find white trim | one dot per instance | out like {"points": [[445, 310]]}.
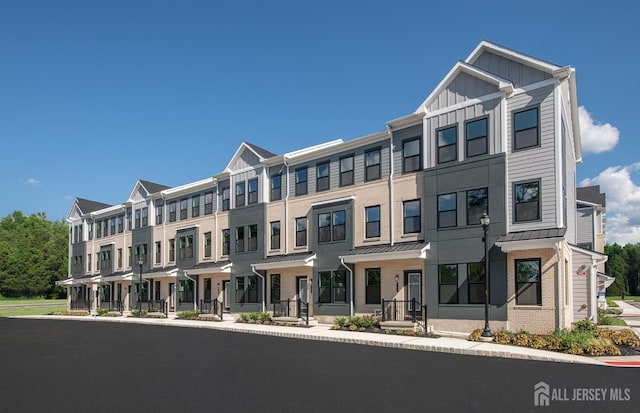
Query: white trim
{"points": [[332, 201], [559, 154], [464, 104], [534, 86], [187, 227], [190, 187], [387, 256], [510, 54], [510, 246], [303, 262], [504, 136]]}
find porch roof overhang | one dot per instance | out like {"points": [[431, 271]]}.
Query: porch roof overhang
{"points": [[211, 268], [530, 240], [304, 259], [69, 281], [118, 277], [402, 251], [605, 280]]}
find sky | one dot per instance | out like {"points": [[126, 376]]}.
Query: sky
{"points": [[95, 95]]}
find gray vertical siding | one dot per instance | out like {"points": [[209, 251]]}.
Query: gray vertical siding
{"points": [[518, 73], [463, 87], [399, 136]]}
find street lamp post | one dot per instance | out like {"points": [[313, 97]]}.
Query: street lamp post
{"points": [[140, 263], [485, 220]]}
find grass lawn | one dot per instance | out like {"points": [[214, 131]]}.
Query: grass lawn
{"points": [[12, 312], [28, 301], [10, 307], [626, 297]]}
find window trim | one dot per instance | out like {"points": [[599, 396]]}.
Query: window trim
{"points": [[299, 184], [321, 179], [240, 199], [440, 284], [195, 206], [367, 222], [513, 120], [455, 224], [419, 155], [367, 178], [274, 238], [485, 137], [252, 194], [298, 232], [277, 189], [455, 144], [514, 203], [347, 172], [538, 283], [405, 217]]}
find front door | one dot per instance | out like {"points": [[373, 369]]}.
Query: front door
{"points": [[172, 296], [303, 297], [413, 291], [226, 290]]}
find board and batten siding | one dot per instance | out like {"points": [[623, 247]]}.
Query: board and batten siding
{"points": [[585, 226], [518, 73], [538, 163], [489, 109], [462, 88]]}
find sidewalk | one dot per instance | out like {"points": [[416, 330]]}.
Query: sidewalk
{"points": [[631, 315]]}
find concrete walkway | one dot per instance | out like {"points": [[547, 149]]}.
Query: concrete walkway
{"points": [[631, 315]]}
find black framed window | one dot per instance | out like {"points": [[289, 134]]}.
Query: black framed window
{"points": [[129, 226], [528, 282], [411, 216], [240, 293], [526, 199], [145, 217], [120, 224], [372, 293], [275, 287], [172, 249], [301, 181], [185, 291], [322, 177], [226, 198], [252, 289], [332, 286], [239, 239], [526, 133], [275, 235], [240, 194], [476, 133], [90, 230], [226, 241], [448, 283], [112, 221], [159, 208], [98, 229], [138, 218], [301, 232], [447, 144], [208, 203], [372, 164], [346, 171], [324, 286], [253, 237], [324, 227], [88, 262], [184, 204], [119, 257], [129, 256], [477, 205], [172, 211], [476, 278], [372, 221], [158, 252], [276, 188], [411, 155], [332, 226], [185, 247], [447, 210], [339, 226], [195, 206], [339, 286], [253, 191], [207, 244], [207, 288], [105, 230]]}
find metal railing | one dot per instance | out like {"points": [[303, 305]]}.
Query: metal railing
{"points": [[303, 310], [116, 306], [281, 308], [77, 305], [211, 307], [156, 306], [404, 310]]}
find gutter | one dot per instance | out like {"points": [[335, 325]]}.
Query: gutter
{"points": [[264, 286], [351, 307]]}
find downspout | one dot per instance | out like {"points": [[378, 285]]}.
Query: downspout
{"points": [[559, 305], [264, 286], [164, 229], [286, 211], [391, 200], [215, 223], [195, 289], [351, 287]]}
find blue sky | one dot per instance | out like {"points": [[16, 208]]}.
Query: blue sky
{"points": [[95, 95]]}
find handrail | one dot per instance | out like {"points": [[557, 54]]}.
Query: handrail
{"points": [[278, 307]]}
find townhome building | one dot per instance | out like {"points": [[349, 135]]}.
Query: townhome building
{"points": [[387, 224]]}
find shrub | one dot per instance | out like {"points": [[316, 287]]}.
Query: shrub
{"points": [[503, 337], [522, 339], [538, 342], [475, 334], [620, 337], [585, 326], [340, 322], [103, 312], [554, 343], [353, 327], [188, 315], [136, 313], [575, 348], [254, 318]]}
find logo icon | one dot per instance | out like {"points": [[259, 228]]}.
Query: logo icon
{"points": [[541, 394]]}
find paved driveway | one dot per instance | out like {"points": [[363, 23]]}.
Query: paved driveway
{"points": [[66, 366]]}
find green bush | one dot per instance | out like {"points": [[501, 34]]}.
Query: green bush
{"points": [[136, 313], [585, 326], [522, 339], [254, 318], [620, 337], [475, 334], [503, 337], [604, 320], [365, 322], [188, 315], [103, 312]]}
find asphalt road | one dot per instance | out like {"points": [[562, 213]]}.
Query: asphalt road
{"points": [[72, 366]]}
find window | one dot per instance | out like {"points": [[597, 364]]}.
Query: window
{"points": [[411, 214], [112, 221], [411, 155], [324, 227], [527, 202], [141, 253], [372, 293], [372, 221], [158, 213], [447, 144], [253, 191], [250, 295], [301, 232], [253, 237], [105, 232], [172, 250], [172, 211], [158, 252], [239, 194], [275, 235], [476, 137], [332, 286], [185, 291], [98, 229], [276, 188], [226, 241], [184, 204], [301, 181], [119, 257], [476, 276], [138, 219], [448, 283], [322, 176], [477, 205], [252, 290], [226, 196], [120, 224], [240, 239], [528, 282], [207, 245], [525, 129], [207, 288], [447, 210], [331, 226], [89, 263], [145, 217], [129, 256], [129, 226], [346, 171], [275, 287], [239, 289], [585, 245], [156, 291], [339, 230], [195, 206], [372, 165], [185, 247], [208, 203]]}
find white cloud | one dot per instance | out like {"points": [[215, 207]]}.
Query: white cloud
{"points": [[596, 137], [33, 182], [623, 202]]}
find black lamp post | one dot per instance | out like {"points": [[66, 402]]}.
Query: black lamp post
{"points": [[140, 263], [485, 220]]}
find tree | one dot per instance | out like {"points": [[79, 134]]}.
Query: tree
{"points": [[616, 266]]}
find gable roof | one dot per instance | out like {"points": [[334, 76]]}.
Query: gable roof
{"points": [[151, 187], [262, 154], [87, 206], [592, 195], [510, 54]]}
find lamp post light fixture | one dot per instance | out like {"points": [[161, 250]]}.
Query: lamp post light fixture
{"points": [[485, 220], [140, 263]]}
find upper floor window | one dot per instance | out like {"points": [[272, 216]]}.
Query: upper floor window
{"points": [[477, 205], [275, 235], [322, 182], [226, 241], [526, 201], [129, 226], [411, 155], [208, 203], [346, 171], [195, 206], [447, 210], [526, 133], [207, 244], [476, 137], [372, 164], [253, 191], [447, 144], [158, 252], [145, 216], [331, 226], [119, 257], [253, 237], [276, 187], [90, 227], [138, 220], [301, 181], [184, 204], [172, 250], [185, 247], [372, 221], [239, 194], [239, 239], [301, 232], [476, 275], [120, 224], [172, 211], [412, 216], [226, 197], [158, 213], [528, 288], [112, 221]]}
